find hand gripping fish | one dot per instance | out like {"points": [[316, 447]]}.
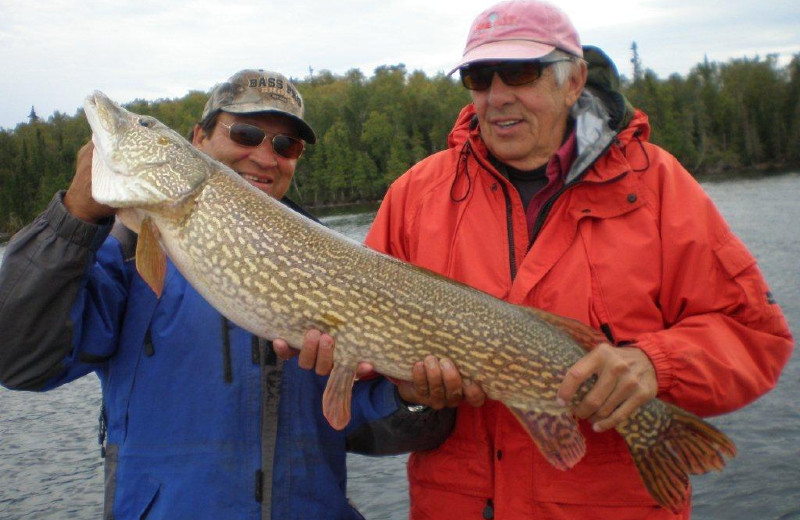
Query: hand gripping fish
{"points": [[278, 274]]}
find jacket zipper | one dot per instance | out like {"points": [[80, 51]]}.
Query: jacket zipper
{"points": [[540, 218], [512, 257], [548, 205], [510, 230]]}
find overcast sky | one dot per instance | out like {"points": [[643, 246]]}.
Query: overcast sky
{"points": [[53, 53]]}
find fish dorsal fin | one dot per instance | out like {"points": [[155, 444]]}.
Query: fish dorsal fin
{"points": [[557, 436], [151, 262], [584, 335]]}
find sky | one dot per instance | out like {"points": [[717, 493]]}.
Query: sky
{"points": [[53, 53]]}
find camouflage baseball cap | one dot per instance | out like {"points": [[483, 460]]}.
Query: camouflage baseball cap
{"points": [[250, 91]]}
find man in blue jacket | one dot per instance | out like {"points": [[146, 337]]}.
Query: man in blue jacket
{"points": [[201, 418]]}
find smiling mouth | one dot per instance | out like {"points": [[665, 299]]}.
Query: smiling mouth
{"points": [[253, 178]]}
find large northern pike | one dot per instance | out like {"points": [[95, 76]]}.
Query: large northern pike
{"points": [[278, 274]]}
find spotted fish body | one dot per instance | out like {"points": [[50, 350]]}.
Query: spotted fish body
{"points": [[278, 274]]}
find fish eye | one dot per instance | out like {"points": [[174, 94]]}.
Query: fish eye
{"points": [[147, 123]]}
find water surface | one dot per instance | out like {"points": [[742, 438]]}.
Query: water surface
{"points": [[50, 466]]}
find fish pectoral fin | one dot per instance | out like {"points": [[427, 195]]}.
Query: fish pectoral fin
{"points": [[338, 394], [151, 262], [584, 335], [556, 436]]}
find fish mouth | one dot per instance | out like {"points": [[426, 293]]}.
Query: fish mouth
{"points": [[103, 114], [107, 121]]}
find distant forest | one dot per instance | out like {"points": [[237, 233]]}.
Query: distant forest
{"points": [[743, 114]]}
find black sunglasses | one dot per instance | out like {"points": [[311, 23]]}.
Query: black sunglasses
{"points": [[478, 76], [249, 135]]}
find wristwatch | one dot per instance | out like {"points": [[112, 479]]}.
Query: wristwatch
{"points": [[411, 407]]}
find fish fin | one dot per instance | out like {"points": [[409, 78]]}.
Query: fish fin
{"points": [[584, 335], [103, 185], [556, 436], [685, 445], [337, 396], [151, 262]]}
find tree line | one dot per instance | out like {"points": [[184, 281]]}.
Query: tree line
{"points": [[741, 114]]}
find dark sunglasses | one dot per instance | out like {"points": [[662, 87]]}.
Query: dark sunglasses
{"points": [[479, 76], [249, 135]]}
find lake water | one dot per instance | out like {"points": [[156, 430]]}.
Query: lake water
{"points": [[50, 466]]}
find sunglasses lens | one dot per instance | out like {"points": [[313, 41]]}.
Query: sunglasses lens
{"points": [[287, 147], [246, 135], [520, 73], [249, 135], [476, 78], [514, 74]]}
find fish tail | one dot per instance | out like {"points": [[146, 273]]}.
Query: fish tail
{"points": [[668, 444]]}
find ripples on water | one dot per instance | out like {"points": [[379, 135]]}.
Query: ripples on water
{"points": [[50, 466]]}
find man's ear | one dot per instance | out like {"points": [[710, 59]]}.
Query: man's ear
{"points": [[576, 82], [199, 136]]}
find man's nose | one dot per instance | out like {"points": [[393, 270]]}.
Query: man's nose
{"points": [[499, 93], [264, 154]]}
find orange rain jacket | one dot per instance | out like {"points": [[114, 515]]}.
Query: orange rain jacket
{"points": [[632, 246]]}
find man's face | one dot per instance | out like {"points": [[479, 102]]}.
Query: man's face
{"points": [[524, 125], [260, 165]]}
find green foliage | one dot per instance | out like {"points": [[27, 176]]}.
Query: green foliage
{"points": [[741, 114]]}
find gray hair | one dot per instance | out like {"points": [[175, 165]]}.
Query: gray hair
{"points": [[563, 69]]}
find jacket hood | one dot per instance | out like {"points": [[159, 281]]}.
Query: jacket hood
{"points": [[462, 127]]}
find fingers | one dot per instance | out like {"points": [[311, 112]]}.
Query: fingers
{"points": [[317, 352], [603, 422], [420, 382], [283, 350], [436, 389], [453, 384], [78, 199], [84, 161], [576, 376], [625, 380], [364, 369], [324, 363], [438, 384], [308, 354], [473, 393]]}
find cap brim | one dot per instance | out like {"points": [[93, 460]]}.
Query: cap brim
{"points": [[505, 50], [303, 129]]}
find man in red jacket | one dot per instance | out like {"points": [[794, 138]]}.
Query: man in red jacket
{"points": [[550, 195]]}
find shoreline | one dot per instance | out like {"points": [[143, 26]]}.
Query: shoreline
{"points": [[721, 175]]}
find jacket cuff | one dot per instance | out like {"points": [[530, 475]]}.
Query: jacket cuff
{"points": [[73, 229], [665, 371]]}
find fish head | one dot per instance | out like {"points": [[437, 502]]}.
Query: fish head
{"points": [[138, 161]]}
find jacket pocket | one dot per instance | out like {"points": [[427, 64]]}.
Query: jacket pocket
{"points": [[754, 305]]}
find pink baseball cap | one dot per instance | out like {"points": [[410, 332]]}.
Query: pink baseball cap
{"points": [[519, 30]]}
